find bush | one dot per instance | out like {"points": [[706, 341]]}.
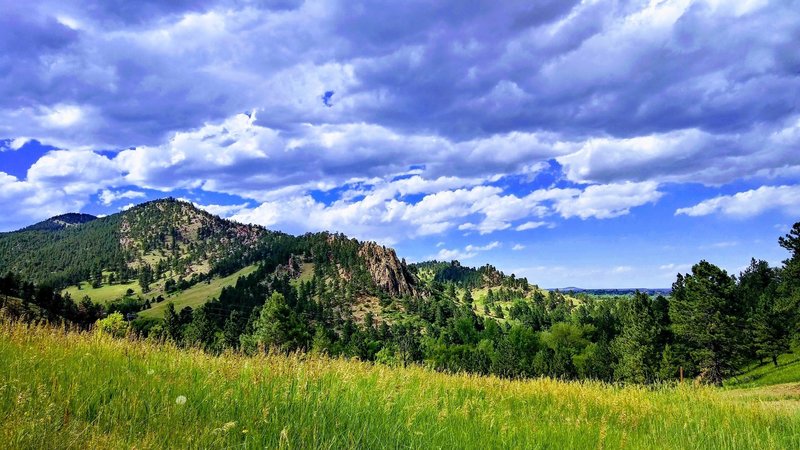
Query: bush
{"points": [[114, 325]]}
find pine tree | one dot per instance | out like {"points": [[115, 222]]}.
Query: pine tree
{"points": [[172, 323], [707, 321], [467, 298], [498, 311], [635, 347]]}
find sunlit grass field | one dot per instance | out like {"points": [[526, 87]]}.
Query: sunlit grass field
{"points": [[71, 390], [107, 292], [767, 374], [198, 294]]}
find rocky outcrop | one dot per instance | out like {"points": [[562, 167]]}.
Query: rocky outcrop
{"points": [[389, 273]]}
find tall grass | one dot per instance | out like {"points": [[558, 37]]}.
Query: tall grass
{"points": [[71, 390]]}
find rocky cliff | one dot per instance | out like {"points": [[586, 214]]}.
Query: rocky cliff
{"points": [[388, 272]]}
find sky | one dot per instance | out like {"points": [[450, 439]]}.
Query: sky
{"points": [[577, 143]]}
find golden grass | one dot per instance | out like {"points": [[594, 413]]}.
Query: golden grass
{"points": [[82, 390]]}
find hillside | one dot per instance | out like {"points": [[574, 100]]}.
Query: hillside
{"points": [[159, 236], [83, 391], [61, 222], [170, 250], [767, 374], [182, 275]]}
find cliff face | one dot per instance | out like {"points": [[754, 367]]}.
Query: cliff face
{"points": [[388, 272]]}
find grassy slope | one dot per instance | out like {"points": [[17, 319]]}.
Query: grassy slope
{"points": [[306, 273], [788, 371], [106, 292], [88, 391], [197, 294]]}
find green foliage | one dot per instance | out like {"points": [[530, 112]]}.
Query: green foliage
{"points": [[637, 347], [113, 325], [245, 288], [278, 327], [707, 319]]}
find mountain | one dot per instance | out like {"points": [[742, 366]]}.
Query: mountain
{"points": [[170, 234], [616, 291], [61, 222], [485, 276], [170, 244]]}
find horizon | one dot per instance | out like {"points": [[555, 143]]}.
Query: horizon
{"points": [[592, 144]]}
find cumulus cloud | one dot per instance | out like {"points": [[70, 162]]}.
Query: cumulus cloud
{"points": [[607, 201], [749, 203], [108, 197], [689, 155], [441, 118], [470, 251]]}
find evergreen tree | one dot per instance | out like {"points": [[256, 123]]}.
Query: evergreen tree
{"points": [[172, 323], [467, 298], [635, 347], [707, 321], [232, 329], [279, 327]]}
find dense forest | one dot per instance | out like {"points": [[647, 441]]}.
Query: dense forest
{"points": [[327, 294], [711, 326]]}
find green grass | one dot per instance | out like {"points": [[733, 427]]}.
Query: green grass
{"points": [[306, 274], [788, 371], [198, 294], [103, 294], [70, 390]]}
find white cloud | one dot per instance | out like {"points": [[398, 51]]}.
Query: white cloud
{"points": [[62, 116], [749, 203], [223, 210], [449, 255], [518, 247], [482, 248], [108, 197], [608, 201], [688, 155], [531, 225], [13, 144], [470, 251], [722, 244], [673, 267]]}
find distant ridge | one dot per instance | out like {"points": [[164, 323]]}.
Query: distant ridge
{"points": [[614, 291], [61, 222]]}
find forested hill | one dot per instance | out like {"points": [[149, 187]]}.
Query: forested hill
{"points": [[171, 240], [159, 235], [326, 293], [61, 222], [466, 277]]}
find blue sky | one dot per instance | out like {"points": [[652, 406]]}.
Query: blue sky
{"points": [[585, 143]]}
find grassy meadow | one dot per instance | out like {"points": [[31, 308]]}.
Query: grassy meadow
{"points": [[198, 294], [766, 374], [81, 390], [107, 292], [194, 296]]}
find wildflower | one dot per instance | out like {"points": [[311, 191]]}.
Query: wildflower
{"points": [[181, 400], [151, 371]]}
